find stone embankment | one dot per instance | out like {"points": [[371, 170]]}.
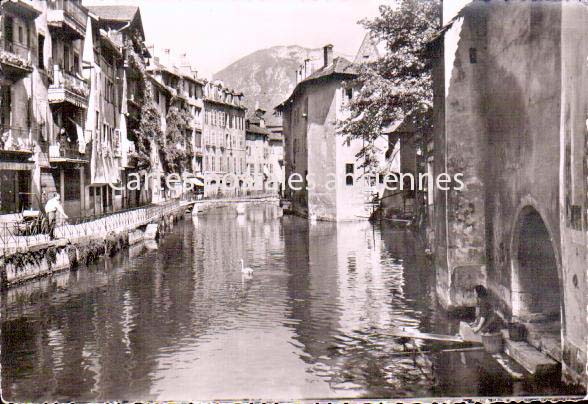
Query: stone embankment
{"points": [[29, 257], [80, 242]]}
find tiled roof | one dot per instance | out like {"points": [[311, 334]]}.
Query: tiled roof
{"points": [[257, 130], [339, 66], [276, 136], [115, 13]]}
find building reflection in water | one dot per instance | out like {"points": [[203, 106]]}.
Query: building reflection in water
{"points": [[180, 322]]}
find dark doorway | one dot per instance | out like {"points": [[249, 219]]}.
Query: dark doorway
{"points": [[537, 269]]}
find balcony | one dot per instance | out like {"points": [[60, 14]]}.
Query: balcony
{"points": [[67, 88], [15, 141], [25, 8], [15, 59], [68, 16], [66, 153]]}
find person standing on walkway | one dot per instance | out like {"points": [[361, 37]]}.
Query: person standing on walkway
{"points": [[52, 207]]}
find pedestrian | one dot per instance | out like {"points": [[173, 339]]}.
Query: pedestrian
{"points": [[486, 320], [52, 207]]}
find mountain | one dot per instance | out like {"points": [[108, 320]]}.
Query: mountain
{"points": [[267, 76]]}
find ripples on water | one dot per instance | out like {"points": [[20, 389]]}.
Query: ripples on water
{"points": [[178, 321]]}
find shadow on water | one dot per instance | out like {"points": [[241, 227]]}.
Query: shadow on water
{"points": [[180, 322]]}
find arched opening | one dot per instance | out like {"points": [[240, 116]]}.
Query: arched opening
{"points": [[536, 285]]}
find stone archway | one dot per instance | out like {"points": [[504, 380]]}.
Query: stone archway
{"points": [[536, 282]]}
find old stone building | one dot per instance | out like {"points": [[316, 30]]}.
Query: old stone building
{"points": [[223, 140], [511, 108], [22, 72], [122, 26], [320, 164], [257, 153]]}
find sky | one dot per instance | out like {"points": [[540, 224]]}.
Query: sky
{"points": [[215, 33]]}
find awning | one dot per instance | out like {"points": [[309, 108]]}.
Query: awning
{"points": [[195, 181]]}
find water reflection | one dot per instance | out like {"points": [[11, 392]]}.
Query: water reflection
{"points": [[180, 322]]}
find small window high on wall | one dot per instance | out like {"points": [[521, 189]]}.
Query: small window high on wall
{"points": [[349, 171]]}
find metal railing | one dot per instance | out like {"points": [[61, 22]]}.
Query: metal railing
{"points": [[25, 234]]}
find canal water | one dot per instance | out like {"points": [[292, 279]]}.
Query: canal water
{"points": [[177, 320]]}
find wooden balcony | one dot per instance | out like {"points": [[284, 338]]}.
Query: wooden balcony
{"points": [[15, 59], [15, 141], [67, 88], [24, 8], [66, 153], [68, 17]]}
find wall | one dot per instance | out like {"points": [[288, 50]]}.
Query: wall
{"points": [[295, 133], [460, 144], [573, 185], [321, 148], [511, 114]]}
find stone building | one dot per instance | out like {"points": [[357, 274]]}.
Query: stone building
{"points": [[178, 90], [276, 160], [23, 79], [122, 25], [103, 65], [331, 186], [223, 140], [69, 154], [511, 106], [257, 153]]}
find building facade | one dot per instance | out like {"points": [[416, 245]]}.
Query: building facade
{"points": [[257, 151], [510, 114], [323, 177], [23, 80], [223, 140]]}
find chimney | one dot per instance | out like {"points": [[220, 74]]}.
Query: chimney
{"points": [[306, 68], [184, 64], [165, 60], [328, 54]]}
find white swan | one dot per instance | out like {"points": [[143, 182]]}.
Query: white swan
{"points": [[245, 270]]}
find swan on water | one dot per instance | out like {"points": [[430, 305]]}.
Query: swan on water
{"points": [[245, 270]]}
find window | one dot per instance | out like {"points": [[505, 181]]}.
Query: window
{"points": [[76, 63], [41, 52], [349, 94], [9, 32], [5, 106], [349, 170], [473, 55], [66, 61], [21, 38]]}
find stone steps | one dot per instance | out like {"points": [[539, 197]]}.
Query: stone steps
{"points": [[534, 361]]}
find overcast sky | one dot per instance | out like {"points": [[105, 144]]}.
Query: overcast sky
{"points": [[215, 33]]}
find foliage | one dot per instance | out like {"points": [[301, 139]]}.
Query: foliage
{"points": [[176, 147], [150, 118], [398, 86]]}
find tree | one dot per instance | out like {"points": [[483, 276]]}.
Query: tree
{"points": [[398, 86]]}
